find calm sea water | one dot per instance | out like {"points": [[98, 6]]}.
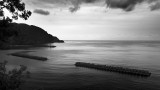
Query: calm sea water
{"points": [[59, 72]]}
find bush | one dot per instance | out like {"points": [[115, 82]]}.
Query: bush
{"points": [[11, 80]]}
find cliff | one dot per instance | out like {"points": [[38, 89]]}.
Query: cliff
{"points": [[30, 35]]}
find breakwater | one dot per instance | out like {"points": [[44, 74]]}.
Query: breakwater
{"points": [[24, 55], [143, 73]]}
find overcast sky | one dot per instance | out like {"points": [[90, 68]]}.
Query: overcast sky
{"points": [[97, 19]]}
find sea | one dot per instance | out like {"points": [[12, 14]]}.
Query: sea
{"points": [[60, 73]]}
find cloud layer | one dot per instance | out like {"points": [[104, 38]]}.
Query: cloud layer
{"points": [[155, 6], [129, 5], [41, 11], [74, 5], [126, 5]]}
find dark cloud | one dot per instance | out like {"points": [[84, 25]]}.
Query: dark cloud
{"points": [[155, 6], [129, 5], [126, 5], [89, 1], [42, 12], [74, 9], [75, 5]]}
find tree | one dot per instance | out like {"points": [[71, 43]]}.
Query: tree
{"points": [[11, 80], [16, 8]]}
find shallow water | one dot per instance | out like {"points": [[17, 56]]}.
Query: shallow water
{"points": [[59, 72]]}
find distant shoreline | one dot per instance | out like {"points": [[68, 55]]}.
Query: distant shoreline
{"points": [[11, 47], [120, 40]]}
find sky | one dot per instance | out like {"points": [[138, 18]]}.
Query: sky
{"points": [[96, 19]]}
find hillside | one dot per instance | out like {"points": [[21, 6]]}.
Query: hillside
{"points": [[30, 35]]}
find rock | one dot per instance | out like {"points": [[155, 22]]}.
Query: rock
{"points": [[118, 69]]}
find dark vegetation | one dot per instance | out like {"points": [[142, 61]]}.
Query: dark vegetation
{"points": [[23, 34], [12, 80], [20, 34], [17, 10], [29, 35]]}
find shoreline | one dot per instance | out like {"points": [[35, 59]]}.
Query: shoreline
{"points": [[12, 47]]}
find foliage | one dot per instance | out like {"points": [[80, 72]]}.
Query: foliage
{"points": [[11, 80], [6, 33], [16, 8]]}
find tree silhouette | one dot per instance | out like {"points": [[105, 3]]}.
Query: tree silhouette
{"points": [[12, 79], [15, 7], [17, 10]]}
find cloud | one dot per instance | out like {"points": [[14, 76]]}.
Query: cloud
{"points": [[129, 5], [42, 12], [74, 9], [155, 6], [126, 5], [75, 5]]}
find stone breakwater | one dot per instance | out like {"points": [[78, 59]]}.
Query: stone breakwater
{"points": [[25, 55], [137, 72]]}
